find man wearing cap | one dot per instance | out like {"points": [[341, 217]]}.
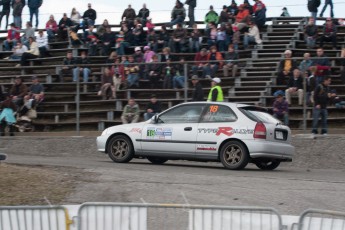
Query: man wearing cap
{"points": [[329, 33], [153, 107], [281, 107], [198, 93], [216, 92]]}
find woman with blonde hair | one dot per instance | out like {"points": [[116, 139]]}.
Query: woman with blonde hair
{"points": [[75, 17]]}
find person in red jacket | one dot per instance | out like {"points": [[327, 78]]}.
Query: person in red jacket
{"points": [[201, 63], [51, 27], [242, 17], [13, 35]]}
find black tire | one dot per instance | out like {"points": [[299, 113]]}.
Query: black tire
{"points": [[267, 164], [157, 160], [120, 149], [234, 155]]}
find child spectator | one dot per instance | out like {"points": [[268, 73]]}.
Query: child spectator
{"points": [[154, 71], [221, 38], [7, 118], [231, 58], [149, 25], [132, 71], [92, 39], [281, 107]]}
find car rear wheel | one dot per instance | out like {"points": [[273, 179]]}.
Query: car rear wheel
{"points": [[120, 149], [234, 155], [157, 160], [267, 164]]}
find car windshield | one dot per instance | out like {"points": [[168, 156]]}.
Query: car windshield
{"points": [[258, 114]]}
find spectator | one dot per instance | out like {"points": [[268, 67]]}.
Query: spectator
{"points": [[18, 51], [42, 43], [285, 12], [281, 107], [321, 100], [154, 70], [101, 28], [6, 8], [51, 28], [34, 5], [179, 37], [28, 32], [148, 54], [36, 90], [329, 33], [153, 107], [235, 37], [253, 36], [233, 10], [201, 63], [18, 91], [84, 62], [198, 93], [295, 86], [75, 18], [285, 68], [312, 7], [248, 7], [216, 92], [138, 34], [231, 58], [178, 14], [163, 38], [149, 25], [91, 41], [242, 17], [211, 34], [336, 100], [166, 55], [17, 12], [323, 65], [310, 33], [224, 16], [215, 60], [132, 71], [305, 64], [89, 17], [178, 75], [118, 74], [13, 36], [168, 72], [330, 3], [7, 118], [107, 41], [259, 9], [128, 16], [211, 16], [32, 53], [126, 42], [143, 14], [69, 63], [191, 6], [131, 112], [151, 40], [221, 39], [64, 24], [194, 40], [258, 6], [107, 90], [311, 85], [139, 58]]}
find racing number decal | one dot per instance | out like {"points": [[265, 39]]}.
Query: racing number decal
{"points": [[213, 108]]}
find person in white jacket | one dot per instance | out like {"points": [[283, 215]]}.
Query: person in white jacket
{"points": [[42, 43], [32, 53], [253, 35]]}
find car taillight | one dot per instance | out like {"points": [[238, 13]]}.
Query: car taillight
{"points": [[260, 131]]}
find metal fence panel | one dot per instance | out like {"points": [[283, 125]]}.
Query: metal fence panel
{"points": [[314, 219], [34, 218]]}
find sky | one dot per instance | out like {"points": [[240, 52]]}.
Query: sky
{"points": [[161, 9]]}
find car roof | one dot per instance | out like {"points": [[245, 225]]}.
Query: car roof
{"points": [[231, 104]]}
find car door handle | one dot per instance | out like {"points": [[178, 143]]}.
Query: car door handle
{"points": [[188, 129]]}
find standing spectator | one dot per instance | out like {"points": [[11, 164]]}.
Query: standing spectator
{"points": [[321, 98], [310, 33], [330, 3], [285, 68], [69, 63], [64, 24], [194, 40], [128, 16], [131, 112], [154, 70], [329, 33], [253, 36], [216, 92], [163, 38], [312, 7], [179, 38], [18, 91], [231, 58], [224, 16], [42, 43], [295, 86], [28, 32], [143, 14], [51, 28], [198, 93], [32, 53], [201, 63], [132, 71], [191, 6], [89, 17], [108, 41], [7, 118], [259, 9], [248, 7], [91, 40], [36, 90], [211, 16], [13, 36], [323, 65], [233, 10], [18, 51], [75, 18], [281, 107], [178, 14], [242, 17], [84, 61], [178, 75], [153, 107], [215, 61], [6, 8], [34, 5], [17, 12]]}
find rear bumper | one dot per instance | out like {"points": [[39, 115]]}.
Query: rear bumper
{"points": [[270, 150]]}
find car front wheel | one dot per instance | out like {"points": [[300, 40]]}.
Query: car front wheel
{"points": [[120, 149], [234, 155], [267, 164]]}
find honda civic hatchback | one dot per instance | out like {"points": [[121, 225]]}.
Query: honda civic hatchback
{"points": [[230, 133]]}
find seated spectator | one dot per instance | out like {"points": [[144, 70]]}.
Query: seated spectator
{"points": [[166, 55], [154, 71], [128, 16], [224, 16], [131, 112], [285, 12], [107, 90], [64, 24], [168, 72], [18, 51], [149, 25], [335, 100], [323, 65], [28, 32], [230, 58], [18, 91], [233, 10], [310, 33], [211, 16], [163, 38], [285, 68], [153, 107], [201, 63], [51, 28], [139, 58], [329, 33], [305, 64], [242, 18], [89, 17], [295, 86], [281, 107], [13, 36], [151, 40], [211, 34], [179, 37], [107, 41], [215, 61], [42, 43], [126, 41], [75, 18], [178, 14], [91, 41], [138, 34], [235, 37], [144, 15], [7, 118], [36, 91], [102, 28], [194, 39], [247, 6], [32, 53], [83, 61], [253, 36], [148, 54], [69, 63], [179, 76], [132, 70], [259, 9]]}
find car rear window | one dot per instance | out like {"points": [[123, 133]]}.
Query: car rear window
{"points": [[258, 114]]}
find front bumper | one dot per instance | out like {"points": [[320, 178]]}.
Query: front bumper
{"points": [[101, 143]]}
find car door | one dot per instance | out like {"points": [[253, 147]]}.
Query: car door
{"points": [[175, 132]]}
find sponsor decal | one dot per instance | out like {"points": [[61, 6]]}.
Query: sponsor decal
{"points": [[227, 131], [159, 133], [135, 130], [206, 148]]}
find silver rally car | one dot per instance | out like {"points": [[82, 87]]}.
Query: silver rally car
{"points": [[234, 134]]}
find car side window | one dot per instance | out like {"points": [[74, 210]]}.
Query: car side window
{"points": [[218, 113], [182, 114]]}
